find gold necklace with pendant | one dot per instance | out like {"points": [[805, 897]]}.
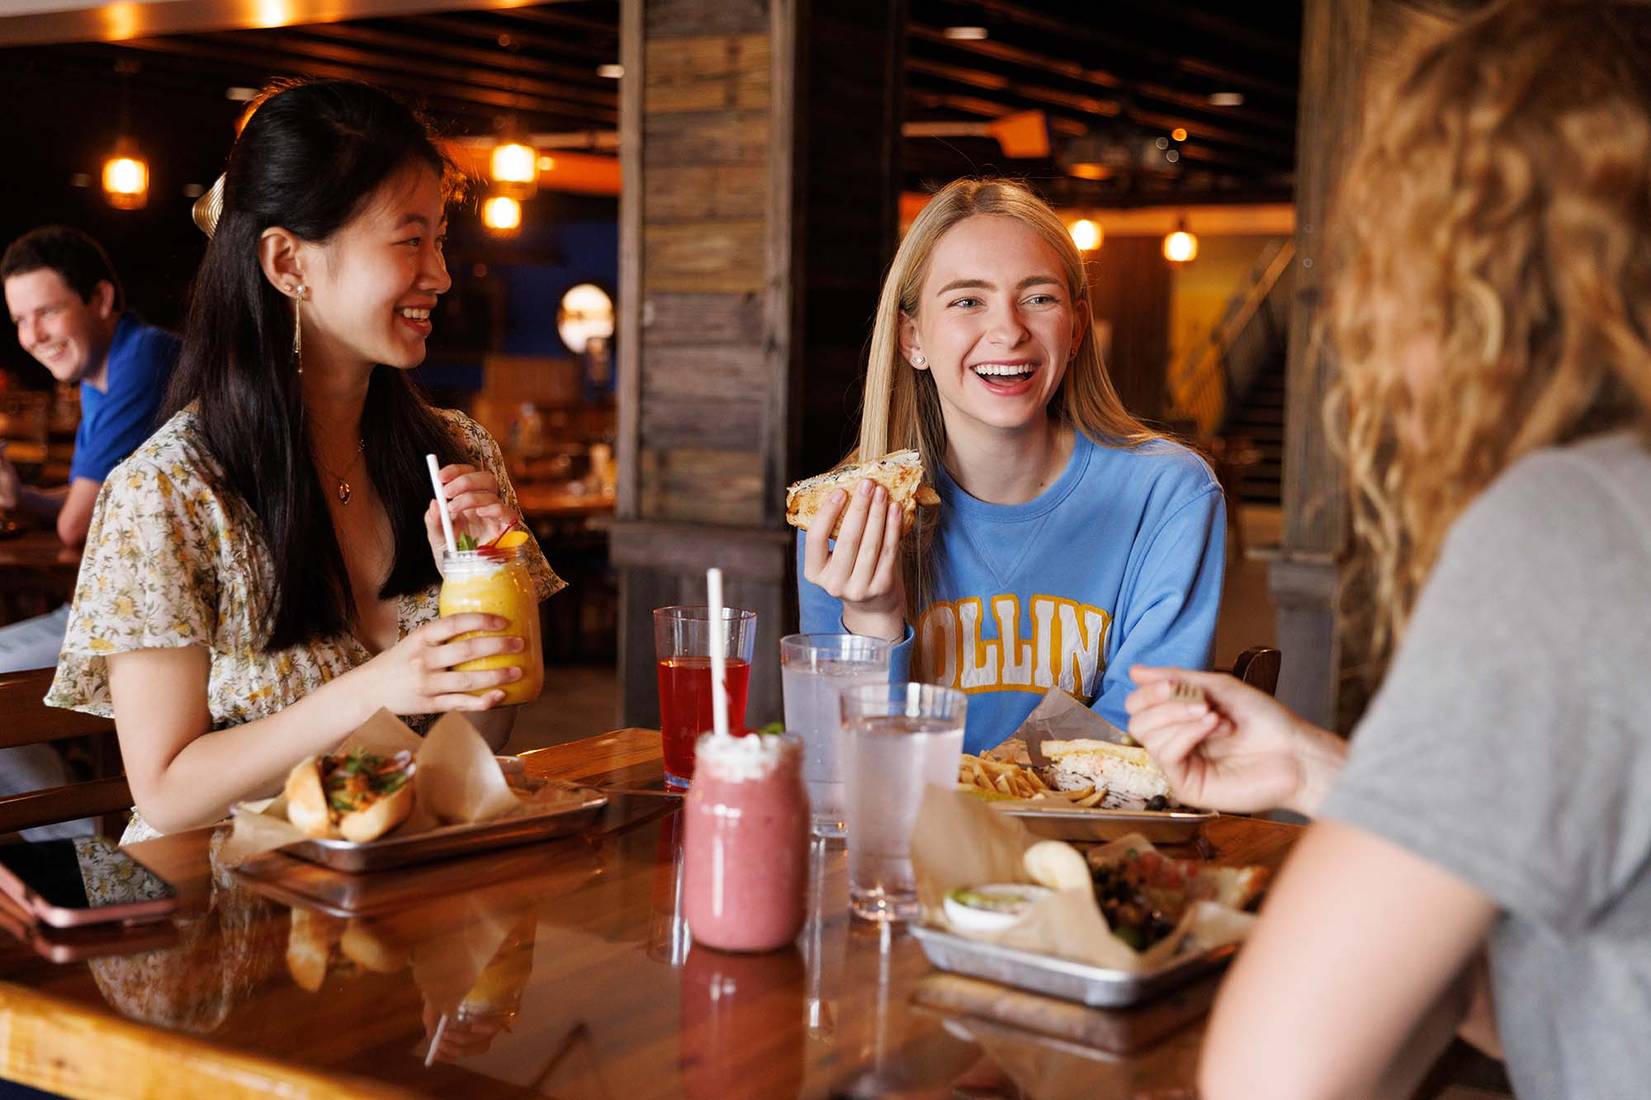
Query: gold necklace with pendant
{"points": [[343, 490]]}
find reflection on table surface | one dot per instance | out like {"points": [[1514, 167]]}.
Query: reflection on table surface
{"points": [[565, 969]]}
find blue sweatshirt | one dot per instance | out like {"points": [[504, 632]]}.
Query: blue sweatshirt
{"points": [[1119, 562]]}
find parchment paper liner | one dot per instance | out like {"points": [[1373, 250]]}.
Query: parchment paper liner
{"points": [[959, 841], [458, 781], [1059, 717]]}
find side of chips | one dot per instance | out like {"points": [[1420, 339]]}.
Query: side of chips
{"points": [[988, 777]]}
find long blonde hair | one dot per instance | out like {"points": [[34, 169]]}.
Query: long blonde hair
{"points": [[1496, 237], [901, 407]]}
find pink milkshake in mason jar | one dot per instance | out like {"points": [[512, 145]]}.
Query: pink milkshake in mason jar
{"points": [[746, 844]]}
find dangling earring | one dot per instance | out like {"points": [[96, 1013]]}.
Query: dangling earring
{"points": [[298, 293]]}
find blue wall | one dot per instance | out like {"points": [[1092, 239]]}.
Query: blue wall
{"points": [[585, 252]]}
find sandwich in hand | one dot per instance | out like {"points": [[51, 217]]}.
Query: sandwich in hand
{"points": [[358, 795], [1127, 773], [900, 472]]}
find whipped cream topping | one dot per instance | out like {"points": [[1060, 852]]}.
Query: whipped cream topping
{"points": [[737, 759]]}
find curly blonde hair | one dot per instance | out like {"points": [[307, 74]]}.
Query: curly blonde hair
{"points": [[1494, 290]]}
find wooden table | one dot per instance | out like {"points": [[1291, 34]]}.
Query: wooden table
{"points": [[593, 989]]}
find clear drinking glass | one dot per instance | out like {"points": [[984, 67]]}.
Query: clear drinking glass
{"points": [[814, 671], [682, 647], [496, 582], [898, 739]]}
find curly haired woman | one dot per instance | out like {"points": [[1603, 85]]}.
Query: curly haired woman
{"points": [[1493, 324]]}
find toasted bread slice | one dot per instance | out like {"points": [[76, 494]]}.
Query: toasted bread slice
{"points": [[900, 472], [306, 803], [1127, 772]]}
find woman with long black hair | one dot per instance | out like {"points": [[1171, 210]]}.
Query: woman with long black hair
{"points": [[261, 575]]}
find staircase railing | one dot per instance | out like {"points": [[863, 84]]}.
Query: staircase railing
{"points": [[1216, 372]]}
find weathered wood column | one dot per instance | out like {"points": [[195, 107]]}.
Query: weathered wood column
{"points": [[757, 143], [1346, 46]]}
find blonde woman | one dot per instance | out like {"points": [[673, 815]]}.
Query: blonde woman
{"points": [[1494, 330], [1071, 541]]}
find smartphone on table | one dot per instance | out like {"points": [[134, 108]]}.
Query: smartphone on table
{"points": [[84, 880], [86, 941]]}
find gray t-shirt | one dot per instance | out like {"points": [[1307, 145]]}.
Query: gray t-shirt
{"points": [[1511, 745]]}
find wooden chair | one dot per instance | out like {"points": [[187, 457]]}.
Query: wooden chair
{"points": [[29, 721], [1258, 666]]}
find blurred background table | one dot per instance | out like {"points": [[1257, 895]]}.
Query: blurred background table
{"points": [[571, 521], [561, 969], [37, 573]]}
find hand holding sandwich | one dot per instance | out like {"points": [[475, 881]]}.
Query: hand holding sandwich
{"points": [[863, 568], [1235, 749]]}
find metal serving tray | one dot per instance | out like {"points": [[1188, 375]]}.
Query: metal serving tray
{"points": [[563, 819], [1095, 986], [1096, 824]]}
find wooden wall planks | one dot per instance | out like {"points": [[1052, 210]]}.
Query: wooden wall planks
{"points": [[695, 193], [707, 73], [710, 137], [755, 271], [709, 255]]}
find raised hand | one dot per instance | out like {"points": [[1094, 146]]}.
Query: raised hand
{"points": [[473, 499], [863, 568], [1236, 749]]}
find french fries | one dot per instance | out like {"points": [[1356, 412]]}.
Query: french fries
{"points": [[976, 773]]}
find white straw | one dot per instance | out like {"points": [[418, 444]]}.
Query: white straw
{"points": [[435, 1041], [719, 656], [441, 499]]}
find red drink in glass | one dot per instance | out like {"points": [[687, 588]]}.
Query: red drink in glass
{"points": [[685, 706], [682, 646]]}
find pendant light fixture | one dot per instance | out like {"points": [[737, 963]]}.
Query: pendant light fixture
{"points": [[125, 170], [1180, 246]]}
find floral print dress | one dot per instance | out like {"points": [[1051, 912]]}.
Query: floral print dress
{"points": [[174, 560]]}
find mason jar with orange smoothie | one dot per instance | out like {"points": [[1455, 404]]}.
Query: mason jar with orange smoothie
{"points": [[494, 580]]}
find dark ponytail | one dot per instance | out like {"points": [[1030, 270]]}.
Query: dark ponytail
{"points": [[311, 155]]}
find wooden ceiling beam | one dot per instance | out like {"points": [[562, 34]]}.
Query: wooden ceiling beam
{"points": [[481, 87], [298, 42], [976, 107], [1237, 159], [253, 60], [550, 16], [513, 61], [568, 50], [1086, 107], [1282, 50], [1193, 109], [1011, 13]]}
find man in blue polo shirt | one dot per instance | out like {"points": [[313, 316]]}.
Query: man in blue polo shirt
{"points": [[69, 309], [67, 303]]}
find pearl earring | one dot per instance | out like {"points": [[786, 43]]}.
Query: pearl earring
{"points": [[918, 359]]}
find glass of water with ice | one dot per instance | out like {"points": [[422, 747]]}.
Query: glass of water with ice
{"points": [[897, 739], [814, 670]]}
